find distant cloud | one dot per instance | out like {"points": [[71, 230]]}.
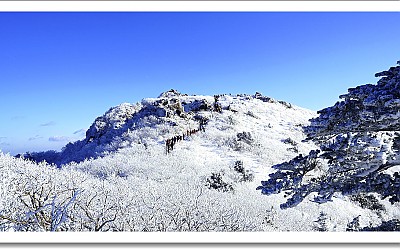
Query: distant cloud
{"points": [[51, 123], [58, 138], [2, 143], [35, 137], [80, 131], [17, 117]]}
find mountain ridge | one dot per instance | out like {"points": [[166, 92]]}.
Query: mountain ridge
{"points": [[170, 109]]}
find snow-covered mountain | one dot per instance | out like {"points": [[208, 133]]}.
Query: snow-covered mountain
{"points": [[183, 162], [154, 120]]}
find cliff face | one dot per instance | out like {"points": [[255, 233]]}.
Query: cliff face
{"points": [[359, 140]]}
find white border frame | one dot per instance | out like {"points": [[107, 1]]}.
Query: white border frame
{"points": [[200, 6], [201, 237]]}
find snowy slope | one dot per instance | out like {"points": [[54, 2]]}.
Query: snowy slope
{"points": [[153, 120], [120, 177]]}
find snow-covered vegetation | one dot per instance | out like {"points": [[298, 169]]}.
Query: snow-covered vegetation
{"points": [[358, 153], [121, 177]]}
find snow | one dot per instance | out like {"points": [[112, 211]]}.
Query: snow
{"points": [[120, 178]]}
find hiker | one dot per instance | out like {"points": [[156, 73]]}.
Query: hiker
{"points": [[218, 107], [202, 127], [202, 123], [167, 145]]}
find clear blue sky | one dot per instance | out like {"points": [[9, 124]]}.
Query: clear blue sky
{"points": [[59, 71]]}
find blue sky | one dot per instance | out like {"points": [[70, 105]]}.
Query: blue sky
{"points": [[59, 71]]}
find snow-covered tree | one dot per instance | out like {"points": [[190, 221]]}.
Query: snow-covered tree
{"points": [[359, 148], [321, 223]]}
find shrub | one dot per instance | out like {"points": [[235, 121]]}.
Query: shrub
{"points": [[321, 223], [387, 226], [290, 141], [245, 175], [368, 201], [354, 225], [215, 182], [245, 137]]}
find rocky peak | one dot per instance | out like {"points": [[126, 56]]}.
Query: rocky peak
{"points": [[169, 94], [113, 119]]}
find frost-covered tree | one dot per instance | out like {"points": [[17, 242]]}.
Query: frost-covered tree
{"points": [[359, 140], [321, 224], [370, 107], [94, 196], [35, 197], [354, 225]]}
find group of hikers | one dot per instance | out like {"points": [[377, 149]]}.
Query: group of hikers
{"points": [[170, 143]]}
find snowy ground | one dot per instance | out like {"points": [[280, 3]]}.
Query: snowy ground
{"points": [[141, 188]]}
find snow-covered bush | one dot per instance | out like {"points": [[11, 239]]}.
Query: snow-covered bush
{"points": [[368, 201], [216, 182], [354, 225], [35, 197], [391, 225], [244, 175], [321, 223]]}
